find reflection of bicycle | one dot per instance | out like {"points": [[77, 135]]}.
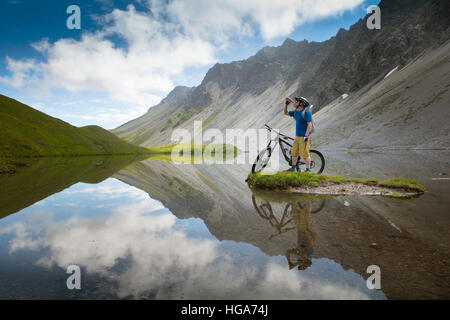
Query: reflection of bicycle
{"points": [[283, 223], [317, 159], [296, 215]]}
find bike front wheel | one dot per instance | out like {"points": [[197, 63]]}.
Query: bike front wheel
{"points": [[262, 160], [317, 162]]}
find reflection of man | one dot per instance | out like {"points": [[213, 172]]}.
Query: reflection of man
{"points": [[301, 256]]}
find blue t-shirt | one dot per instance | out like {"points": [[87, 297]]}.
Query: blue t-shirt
{"points": [[301, 125]]}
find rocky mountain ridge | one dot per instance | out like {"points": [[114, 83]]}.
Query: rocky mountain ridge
{"points": [[321, 71]]}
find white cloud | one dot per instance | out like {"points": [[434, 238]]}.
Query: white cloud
{"points": [[218, 19], [160, 44], [109, 116], [21, 70], [154, 54], [42, 45]]}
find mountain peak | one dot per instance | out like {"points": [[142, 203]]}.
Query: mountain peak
{"points": [[288, 41]]}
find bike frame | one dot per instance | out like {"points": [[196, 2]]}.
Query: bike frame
{"points": [[282, 139]]}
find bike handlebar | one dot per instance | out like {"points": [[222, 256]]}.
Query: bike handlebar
{"points": [[271, 129]]}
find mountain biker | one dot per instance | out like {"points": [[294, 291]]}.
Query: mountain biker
{"points": [[300, 147]]}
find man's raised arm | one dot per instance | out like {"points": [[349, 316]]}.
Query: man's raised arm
{"points": [[288, 101]]}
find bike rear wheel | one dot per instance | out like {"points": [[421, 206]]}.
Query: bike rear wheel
{"points": [[317, 162]]}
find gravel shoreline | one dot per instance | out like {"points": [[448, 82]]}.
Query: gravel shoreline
{"points": [[355, 188]]}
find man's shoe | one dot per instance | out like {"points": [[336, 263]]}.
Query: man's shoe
{"points": [[289, 170]]}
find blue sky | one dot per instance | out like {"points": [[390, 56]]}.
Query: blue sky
{"points": [[129, 54]]}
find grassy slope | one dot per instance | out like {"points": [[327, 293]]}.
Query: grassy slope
{"points": [[284, 180], [26, 132]]}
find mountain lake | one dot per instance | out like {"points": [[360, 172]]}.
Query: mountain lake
{"points": [[153, 229]]}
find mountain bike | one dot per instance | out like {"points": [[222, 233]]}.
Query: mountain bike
{"points": [[317, 159], [282, 222]]}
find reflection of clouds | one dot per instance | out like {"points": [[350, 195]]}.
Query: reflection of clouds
{"points": [[97, 243], [23, 237], [109, 191], [285, 285], [161, 261]]}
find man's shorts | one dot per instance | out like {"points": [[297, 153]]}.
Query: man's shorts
{"points": [[300, 148]]}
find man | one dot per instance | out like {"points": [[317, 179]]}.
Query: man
{"points": [[300, 147]]}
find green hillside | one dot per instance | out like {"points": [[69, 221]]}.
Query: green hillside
{"points": [[26, 132]]}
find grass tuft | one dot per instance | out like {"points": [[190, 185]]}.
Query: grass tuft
{"points": [[284, 180], [400, 183]]}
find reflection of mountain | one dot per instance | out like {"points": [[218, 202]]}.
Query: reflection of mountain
{"points": [[215, 193], [47, 176], [393, 235]]}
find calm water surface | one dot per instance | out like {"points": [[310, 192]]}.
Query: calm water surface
{"points": [[156, 230]]}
